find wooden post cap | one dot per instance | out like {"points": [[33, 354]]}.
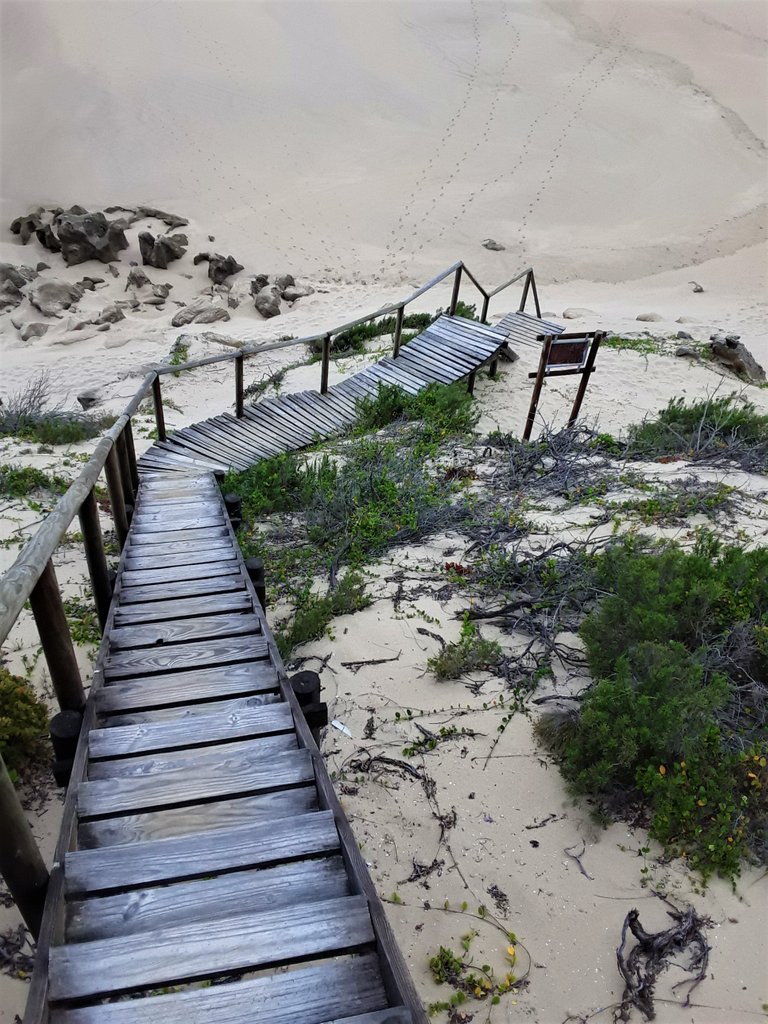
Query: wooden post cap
{"points": [[306, 686]]}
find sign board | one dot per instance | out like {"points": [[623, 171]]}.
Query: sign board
{"points": [[561, 356], [570, 353]]}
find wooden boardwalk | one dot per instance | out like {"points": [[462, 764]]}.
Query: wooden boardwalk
{"points": [[208, 843], [205, 870], [448, 350]]}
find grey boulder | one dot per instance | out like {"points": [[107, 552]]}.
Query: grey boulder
{"points": [[267, 302], [159, 252], [219, 267], [283, 281], [494, 246], [111, 314], [729, 351], [297, 291], [199, 313], [89, 236], [30, 331], [651, 318], [52, 296], [19, 276], [577, 312]]}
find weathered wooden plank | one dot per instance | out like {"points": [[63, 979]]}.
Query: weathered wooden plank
{"points": [[183, 656], [201, 627], [157, 504], [155, 523], [277, 417], [197, 535], [198, 684], [227, 778], [185, 588], [178, 573], [216, 437], [307, 995], [250, 892], [391, 1015], [198, 441], [213, 727], [419, 365], [397, 376], [184, 607], [173, 712], [181, 821], [242, 432], [266, 432], [245, 753], [315, 405], [203, 950], [200, 854], [473, 326], [400, 368], [458, 354], [188, 460]]}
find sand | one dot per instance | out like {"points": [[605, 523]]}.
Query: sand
{"points": [[363, 147]]}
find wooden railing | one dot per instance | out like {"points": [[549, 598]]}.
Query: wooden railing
{"points": [[32, 576]]}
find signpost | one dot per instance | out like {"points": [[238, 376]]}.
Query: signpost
{"points": [[562, 356]]}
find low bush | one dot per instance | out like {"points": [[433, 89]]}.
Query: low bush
{"points": [[442, 409], [25, 415], [19, 481], [23, 721], [355, 339], [676, 717], [716, 427], [471, 653], [314, 612]]}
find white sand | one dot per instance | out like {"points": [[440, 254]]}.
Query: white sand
{"points": [[618, 147]]}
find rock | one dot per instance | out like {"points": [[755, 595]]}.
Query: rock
{"points": [[52, 295], [221, 267], [90, 398], [162, 291], [683, 336], [42, 266], [267, 302], [18, 276], [171, 219], [30, 331], [10, 296], [89, 236], [136, 279], [199, 313], [211, 238], [577, 312], [46, 237], [283, 281], [696, 287], [27, 225], [159, 252], [547, 313], [297, 291], [258, 282], [113, 270], [736, 357], [111, 314], [651, 318], [232, 302], [687, 320], [87, 284], [494, 246], [685, 351]]}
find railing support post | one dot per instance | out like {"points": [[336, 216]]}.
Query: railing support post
{"points": [[484, 313], [116, 497], [95, 557], [21, 863], [157, 396], [125, 473], [471, 382], [326, 364], [455, 295], [524, 297], [535, 296], [239, 389], [398, 331], [53, 629], [131, 450]]}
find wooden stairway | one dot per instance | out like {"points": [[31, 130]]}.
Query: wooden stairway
{"points": [[211, 873], [448, 350]]}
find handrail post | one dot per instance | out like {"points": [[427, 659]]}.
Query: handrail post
{"points": [[53, 629], [326, 364], [455, 295], [535, 295], [157, 396], [484, 313], [21, 863], [398, 331], [98, 570], [524, 298], [131, 450], [125, 471], [116, 498], [239, 390]]}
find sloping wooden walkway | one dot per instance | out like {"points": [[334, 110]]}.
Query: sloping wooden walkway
{"points": [[207, 843], [448, 350]]}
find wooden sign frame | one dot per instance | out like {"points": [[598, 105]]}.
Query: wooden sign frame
{"points": [[564, 355]]}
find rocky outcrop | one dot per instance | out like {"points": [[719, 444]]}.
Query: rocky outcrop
{"points": [[199, 313], [267, 302], [10, 296], [283, 281], [728, 350], [136, 279], [171, 219], [494, 246], [159, 252], [90, 399], [52, 296], [650, 318], [31, 331], [297, 291], [28, 224], [219, 267], [17, 275], [577, 312], [89, 236], [111, 314]]}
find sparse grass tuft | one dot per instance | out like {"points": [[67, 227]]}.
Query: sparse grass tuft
{"points": [[24, 415], [20, 481], [23, 721], [314, 612], [472, 653]]}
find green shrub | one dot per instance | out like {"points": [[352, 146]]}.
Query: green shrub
{"points": [[314, 612], [678, 649], [284, 483], [355, 339], [644, 346], [24, 414], [19, 481], [471, 654], [443, 409], [23, 721], [717, 426]]}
